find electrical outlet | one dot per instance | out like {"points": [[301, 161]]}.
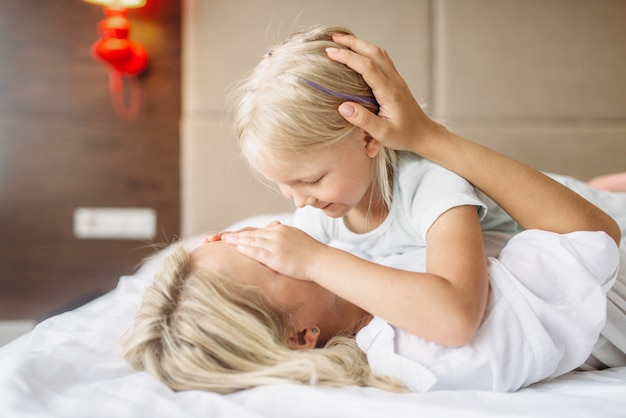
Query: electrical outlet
{"points": [[115, 223]]}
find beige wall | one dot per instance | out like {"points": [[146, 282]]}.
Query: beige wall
{"points": [[540, 80]]}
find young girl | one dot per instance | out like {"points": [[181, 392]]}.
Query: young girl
{"points": [[355, 192]]}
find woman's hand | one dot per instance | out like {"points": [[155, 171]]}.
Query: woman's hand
{"points": [[401, 123], [282, 248]]}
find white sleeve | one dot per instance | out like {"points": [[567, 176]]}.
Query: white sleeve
{"points": [[431, 190], [556, 285], [546, 309]]}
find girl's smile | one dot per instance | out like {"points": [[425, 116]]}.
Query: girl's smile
{"points": [[336, 179]]}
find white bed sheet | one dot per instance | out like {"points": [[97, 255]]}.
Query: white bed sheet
{"points": [[70, 366]]}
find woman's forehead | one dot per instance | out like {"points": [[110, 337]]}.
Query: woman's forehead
{"points": [[225, 259]]}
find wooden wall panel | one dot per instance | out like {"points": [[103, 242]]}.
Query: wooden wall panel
{"points": [[62, 147]]}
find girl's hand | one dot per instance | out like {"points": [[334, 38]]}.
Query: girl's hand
{"points": [[218, 236], [401, 123], [282, 248]]}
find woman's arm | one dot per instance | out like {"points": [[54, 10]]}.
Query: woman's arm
{"points": [[534, 200]]}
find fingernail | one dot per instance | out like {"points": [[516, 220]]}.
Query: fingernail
{"points": [[332, 50], [346, 109]]}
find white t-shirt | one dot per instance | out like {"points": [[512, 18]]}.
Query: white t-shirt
{"points": [[422, 191]]}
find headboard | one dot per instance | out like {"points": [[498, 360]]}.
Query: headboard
{"points": [[542, 82]]}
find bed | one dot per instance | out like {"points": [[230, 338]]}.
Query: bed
{"points": [[70, 365]]}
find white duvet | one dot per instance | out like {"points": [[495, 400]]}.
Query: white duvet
{"points": [[70, 366]]}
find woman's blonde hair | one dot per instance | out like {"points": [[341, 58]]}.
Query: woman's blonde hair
{"points": [[289, 102], [199, 330]]}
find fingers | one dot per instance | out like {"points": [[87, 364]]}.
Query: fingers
{"points": [[250, 243], [255, 252], [369, 60], [400, 120], [248, 236], [365, 49], [254, 237], [221, 236], [280, 247], [377, 70], [371, 72], [213, 237], [363, 118], [258, 244]]}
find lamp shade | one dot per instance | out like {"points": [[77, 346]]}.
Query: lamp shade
{"points": [[127, 4]]}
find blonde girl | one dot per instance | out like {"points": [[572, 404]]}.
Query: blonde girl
{"points": [[342, 180]]}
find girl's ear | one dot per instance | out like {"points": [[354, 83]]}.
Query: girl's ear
{"points": [[372, 146], [304, 340]]}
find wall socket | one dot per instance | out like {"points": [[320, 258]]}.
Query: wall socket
{"points": [[115, 223]]}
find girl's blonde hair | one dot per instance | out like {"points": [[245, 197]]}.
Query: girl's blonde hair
{"points": [[199, 330], [289, 102]]}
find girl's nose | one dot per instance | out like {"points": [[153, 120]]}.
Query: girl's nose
{"points": [[301, 200]]}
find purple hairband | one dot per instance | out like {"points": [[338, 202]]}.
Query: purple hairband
{"points": [[359, 99]]}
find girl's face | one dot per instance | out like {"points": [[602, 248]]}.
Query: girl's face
{"points": [[335, 179]]}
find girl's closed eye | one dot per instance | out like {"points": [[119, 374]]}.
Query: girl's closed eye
{"points": [[314, 182]]}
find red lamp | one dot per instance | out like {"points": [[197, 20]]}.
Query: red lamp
{"points": [[126, 59]]}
